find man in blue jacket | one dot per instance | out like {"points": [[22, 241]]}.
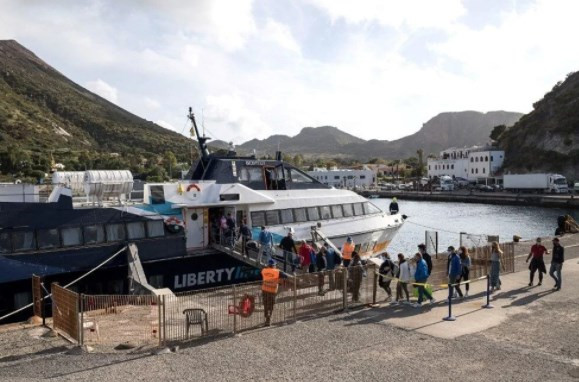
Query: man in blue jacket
{"points": [[454, 270], [421, 275]]}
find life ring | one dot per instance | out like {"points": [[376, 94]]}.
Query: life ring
{"points": [[193, 185], [173, 221]]}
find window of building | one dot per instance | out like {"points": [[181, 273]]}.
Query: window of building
{"points": [[287, 216], [492, 159], [486, 158], [472, 170], [471, 160], [155, 228], [48, 238], [484, 170], [136, 230], [476, 159], [257, 218], [115, 232], [94, 234], [300, 215], [429, 167], [325, 213], [348, 210], [362, 176], [5, 245], [71, 236], [358, 209], [313, 213], [336, 177], [272, 217], [476, 171]]}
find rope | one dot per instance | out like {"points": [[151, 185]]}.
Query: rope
{"points": [[67, 285], [426, 284], [446, 231]]}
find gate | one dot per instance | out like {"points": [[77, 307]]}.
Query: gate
{"points": [[65, 312]]}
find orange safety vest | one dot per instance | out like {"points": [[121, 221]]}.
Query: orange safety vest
{"points": [[270, 280], [347, 251]]}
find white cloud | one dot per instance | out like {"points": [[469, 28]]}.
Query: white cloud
{"points": [[151, 103], [394, 13], [281, 35], [166, 125], [103, 89]]}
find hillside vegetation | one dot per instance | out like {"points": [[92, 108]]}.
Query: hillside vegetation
{"points": [[547, 139], [44, 114]]}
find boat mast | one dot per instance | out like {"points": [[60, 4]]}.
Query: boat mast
{"points": [[201, 139]]}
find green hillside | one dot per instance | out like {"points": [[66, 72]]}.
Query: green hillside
{"points": [[43, 113], [547, 139]]}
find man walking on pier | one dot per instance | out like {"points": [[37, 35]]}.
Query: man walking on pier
{"points": [[266, 244], [269, 288], [426, 257], [421, 275], [537, 263], [557, 263]]}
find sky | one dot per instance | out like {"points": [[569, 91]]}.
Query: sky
{"points": [[377, 69]]}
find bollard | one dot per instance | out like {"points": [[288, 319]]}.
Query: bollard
{"points": [[488, 304], [450, 316]]}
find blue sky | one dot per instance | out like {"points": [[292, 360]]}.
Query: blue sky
{"points": [[252, 68]]}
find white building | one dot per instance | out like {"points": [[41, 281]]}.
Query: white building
{"points": [[473, 163], [340, 178]]}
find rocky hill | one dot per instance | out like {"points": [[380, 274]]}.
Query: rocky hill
{"points": [[547, 139], [42, 111], [445, 130]]}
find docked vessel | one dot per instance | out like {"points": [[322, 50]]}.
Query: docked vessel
{"points": [[176, 226]]}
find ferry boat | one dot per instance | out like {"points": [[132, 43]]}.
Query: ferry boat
{"points": [[176, 226]]}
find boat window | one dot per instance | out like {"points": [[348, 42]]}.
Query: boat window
{"points": [[286, 216], [94, 234], [365, 247], [348, 210], [358, 209], [115, 232], [22, 299], [369, 208], [135, 230], [325, 213], [337, 211], [251, 174], [48, 238], [155, 228], [313, 213], [258, 218], [71, 236], [298, 177], [157, 194], [272, 217], [300, 215], [5, 246]]}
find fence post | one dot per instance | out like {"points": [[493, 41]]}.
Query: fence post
{"points": [[450, 316], [295, 298], [488, 304], [345, 289], [81, 319], [234, 306], [374, 285], [159, 317]]}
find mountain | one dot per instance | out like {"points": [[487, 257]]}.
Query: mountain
{"points": [[42, 111], [317, 141], [547, 139], [458, 129]]}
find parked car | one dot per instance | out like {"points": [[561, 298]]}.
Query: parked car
{"points": [[484, 188], [576, 187], [461, 182]]}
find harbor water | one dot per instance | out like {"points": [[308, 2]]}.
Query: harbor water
{"points": [[478, 220]]}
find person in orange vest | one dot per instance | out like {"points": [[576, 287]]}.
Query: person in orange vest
{"points": [[347, 250], [269, 287]]}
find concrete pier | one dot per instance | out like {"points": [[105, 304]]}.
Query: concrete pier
{"points": [[499, 198]]}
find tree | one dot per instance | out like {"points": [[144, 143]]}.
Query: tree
{"points": [[298, 160], [377, 161], [497, 132], [169, 161]]}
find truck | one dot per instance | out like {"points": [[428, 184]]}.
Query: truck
{"points": [[444, 183], [546, 183]]}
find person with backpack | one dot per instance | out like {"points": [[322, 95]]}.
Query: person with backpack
{"points": [[321, 265], [290, 253], [454, 271], [387, 271], [421, 276], [404, 274], [426, 257], [333, 260], [466, 264], [305, 253]]}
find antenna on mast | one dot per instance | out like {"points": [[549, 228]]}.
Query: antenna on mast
{"points": [[201, 139]]}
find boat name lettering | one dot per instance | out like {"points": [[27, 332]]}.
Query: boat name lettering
{"points": [[254, 163]]}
